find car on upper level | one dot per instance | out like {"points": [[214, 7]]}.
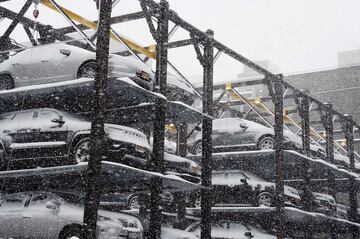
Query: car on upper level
{"points": [[49, 137], [232, 134], [52, 137], [60, 62], [58, 215]]}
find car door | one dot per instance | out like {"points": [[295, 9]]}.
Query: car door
{"points": [[11, 216], [243, 133], [16, 65], [50, 135], [20, 128], [40, 217], [47, 64]]}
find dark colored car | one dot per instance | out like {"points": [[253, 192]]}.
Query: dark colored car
{"points": [[244, 189], [231, 134], [49, 137]]}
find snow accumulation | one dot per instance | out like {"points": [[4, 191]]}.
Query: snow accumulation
{"points": [[36, 145]]}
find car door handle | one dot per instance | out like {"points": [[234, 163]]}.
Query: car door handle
{"points": [[27, 217], [44, 61], [16, 64]]}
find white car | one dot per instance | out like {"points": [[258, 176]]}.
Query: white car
{"points": [[231, 230], [61, 62], [59, 216]]}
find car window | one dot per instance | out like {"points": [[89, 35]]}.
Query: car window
{"points": [[39, 200], [23, 116], [45, 116], [13, 202]]}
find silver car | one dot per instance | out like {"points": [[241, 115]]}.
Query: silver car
{"points": [[61, 62], [59, 216], [231, 134]]}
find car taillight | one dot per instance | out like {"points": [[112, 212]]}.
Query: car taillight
{"points": [[143, 75]]}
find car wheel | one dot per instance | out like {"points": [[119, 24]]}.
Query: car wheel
{"points": [[266, 143], [134, 202], [87, 70], [6, 82], [265, 199], [198, 148], [81, 152], [71, 233]]}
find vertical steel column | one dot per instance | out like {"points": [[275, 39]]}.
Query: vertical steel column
{"points": [[279, 155], [206, 161], [179, 196], [349, 136], [157, 159], [304, 105], [329, 129], [93, 187], [182, 140]]}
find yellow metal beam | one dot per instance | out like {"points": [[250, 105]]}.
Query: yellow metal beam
{"points": [[92, 25]]}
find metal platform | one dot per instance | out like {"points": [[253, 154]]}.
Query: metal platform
{"points": [[262, 163], [126, 101], [296, 219], [115, 178]]}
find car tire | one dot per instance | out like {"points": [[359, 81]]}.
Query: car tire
{"points": [[88, 69], [266, 142], [81, 151], [134, 202], [6, 82], [71, 233], [198, 148], [265, 199]]}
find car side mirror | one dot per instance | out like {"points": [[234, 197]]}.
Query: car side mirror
{"points": [[248, 234], [65, 52], [58, 119]]}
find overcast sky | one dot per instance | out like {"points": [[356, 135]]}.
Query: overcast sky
{"points": [[297, 35]]}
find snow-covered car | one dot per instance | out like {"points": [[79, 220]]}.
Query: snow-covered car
{"points": [[241, 188], [59, 216], [229, 229], [43, 134], [178, 89], [61, 62], [231, 134]]}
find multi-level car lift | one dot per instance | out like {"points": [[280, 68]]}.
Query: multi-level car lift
{"points": [[275, 84]]}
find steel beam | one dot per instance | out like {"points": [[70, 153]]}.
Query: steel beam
{"points": [[114, 20], [279, 156], [16, 21], [206, 161], [348, 128], [303, 104], [327, 120], [93, 188], [157, 159]]}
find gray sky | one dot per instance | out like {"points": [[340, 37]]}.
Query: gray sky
{"points": [[297, 35]]}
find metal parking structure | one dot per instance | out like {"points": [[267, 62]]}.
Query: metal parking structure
{"points": [[275, 84]]}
